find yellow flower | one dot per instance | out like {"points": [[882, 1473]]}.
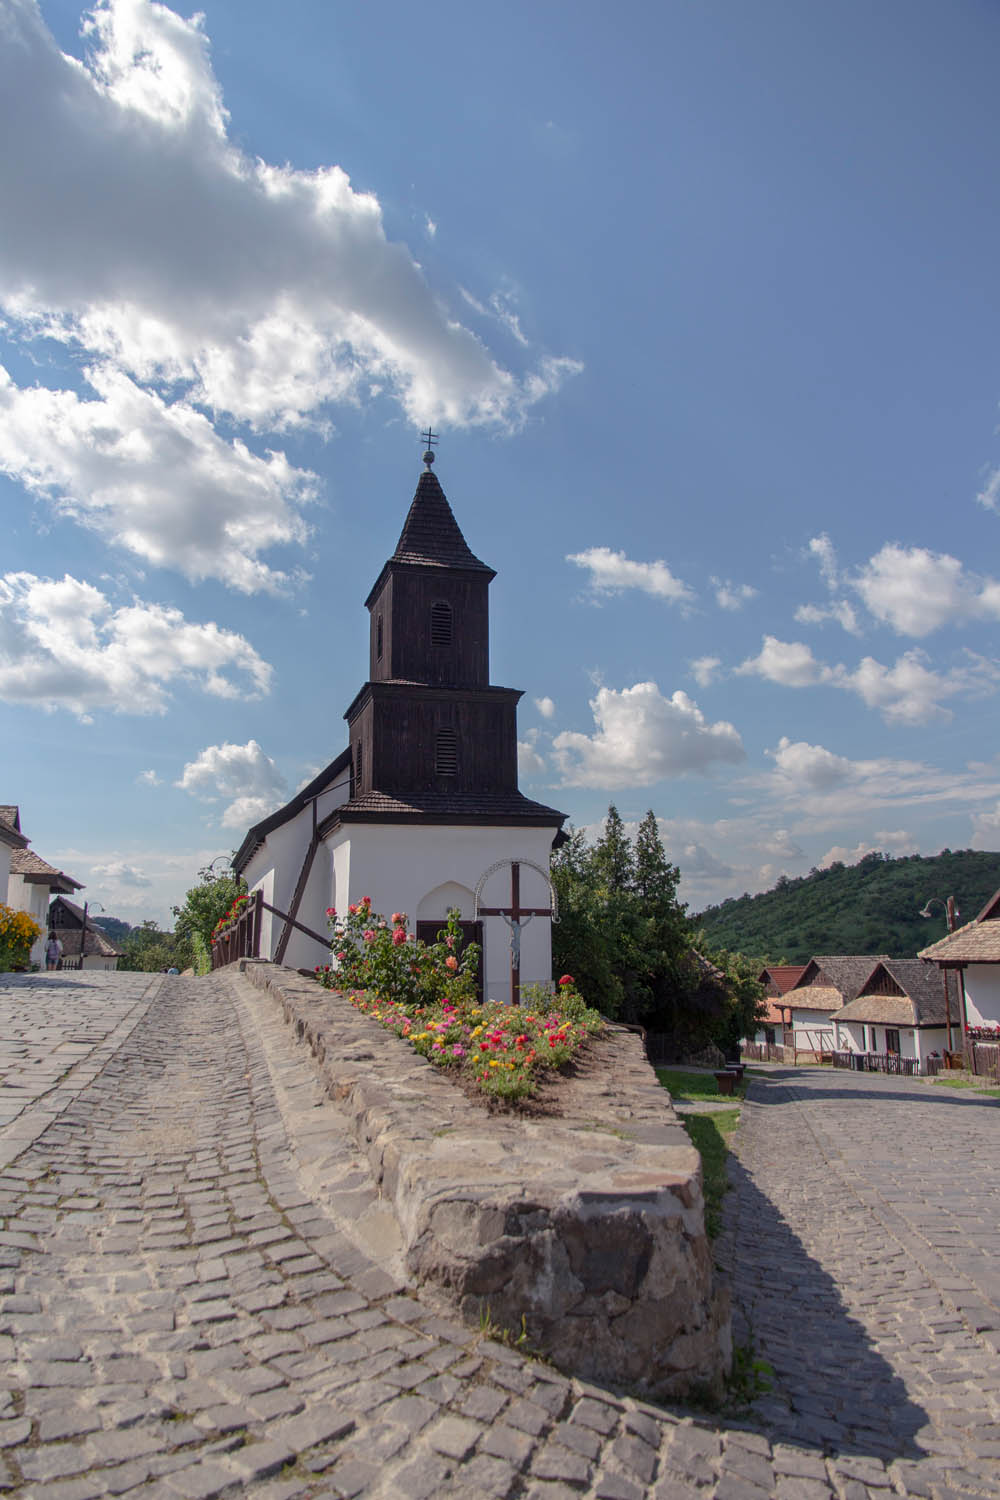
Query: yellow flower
{"points": [[494, 1063]]}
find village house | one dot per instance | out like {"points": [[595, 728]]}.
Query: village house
{"points": [[828, 983], [972, 953], [31, 880], [81, 950], [421, 812], [11, 838], [777, 980], [900, 1017]]}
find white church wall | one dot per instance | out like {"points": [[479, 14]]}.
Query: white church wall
{"points": [[409, 867], [274, 871]]}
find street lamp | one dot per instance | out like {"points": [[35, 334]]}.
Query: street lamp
{"points": [[951, 910], [83, 934], [952, 914]]}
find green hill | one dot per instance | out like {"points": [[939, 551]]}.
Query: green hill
{"points": [[871, 907]]}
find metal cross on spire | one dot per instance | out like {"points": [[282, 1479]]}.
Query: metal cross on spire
{"points": [[429, 437]]}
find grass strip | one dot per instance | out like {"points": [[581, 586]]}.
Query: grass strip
{"points": [[710, 1134], [691, 1088]]}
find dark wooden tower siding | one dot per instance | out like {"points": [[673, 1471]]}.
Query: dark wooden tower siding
{"points": [[430, 737]]}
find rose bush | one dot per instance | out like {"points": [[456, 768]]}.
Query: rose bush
{"points": [[426, 994]]}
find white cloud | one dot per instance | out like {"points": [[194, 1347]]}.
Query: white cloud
{"points": [[641, 737], [809, 765], [430, 228], [545, 707], [896, 842], [694, 860], [154, 478], [184, 274], [148, 778], [732, 596], [612, 572], [63, 645], [823, 550], [839, 610], [705, 669], [916, 591], [241, 775], [781, 845], [530, 762], [909, 692], [790, 663], [119, 873], [989, 495]]}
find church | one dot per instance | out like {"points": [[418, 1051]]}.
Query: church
{"points": [[421, 812]]}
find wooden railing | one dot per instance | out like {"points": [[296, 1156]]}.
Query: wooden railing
{"points": [[241, 939]]}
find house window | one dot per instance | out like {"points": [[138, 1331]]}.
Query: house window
{"points": [[872, 1039], [356, 764], [446, 753], [378, 638], [440, 623], [892, 1040]]}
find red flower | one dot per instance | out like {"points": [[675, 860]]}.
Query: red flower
{"points": [[399, 936], [567, 979]]}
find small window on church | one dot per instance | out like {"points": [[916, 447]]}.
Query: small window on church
{"points": [[440, 623], [356, 770], [446, 753], [378, 638]]}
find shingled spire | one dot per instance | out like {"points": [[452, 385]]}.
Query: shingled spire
{"points": [[431, 537]]}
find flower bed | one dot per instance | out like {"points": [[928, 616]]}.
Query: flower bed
{"points": [[983, 1033], [426, 994], [17, 933]]}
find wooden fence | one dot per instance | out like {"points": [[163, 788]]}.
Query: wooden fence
{"points": [[877, 1062], [984, 1059]]}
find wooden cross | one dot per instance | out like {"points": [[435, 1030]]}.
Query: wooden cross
{"points": [[513, 915]]}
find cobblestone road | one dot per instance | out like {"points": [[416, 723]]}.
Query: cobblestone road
{"points": [[200, 1294]]}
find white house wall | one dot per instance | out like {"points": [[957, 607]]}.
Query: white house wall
{"points": [[982, 994], [812, 1030], [31, 897], [4, 873], [399, 865]]}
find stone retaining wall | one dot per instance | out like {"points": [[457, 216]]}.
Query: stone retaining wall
{"points": [[589, 1227]]}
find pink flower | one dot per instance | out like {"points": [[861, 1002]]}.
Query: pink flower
{"points": [[451, 962], [331, 911], [368, 935], [399, 936], [366, 901], [340, 957], [567, 979], [399, 919], [458, 1050], [353, 910], [450, 941]]}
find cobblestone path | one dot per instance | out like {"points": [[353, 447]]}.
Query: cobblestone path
{"points": [[200, 1294]]}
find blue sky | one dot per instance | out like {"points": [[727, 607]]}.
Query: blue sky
{"points": [[701, 300]]}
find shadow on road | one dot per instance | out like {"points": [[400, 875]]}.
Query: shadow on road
{"points": [[838, 1084], [831, 1388]]}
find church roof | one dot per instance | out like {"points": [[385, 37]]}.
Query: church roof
{"points": [[444, 807], [431, 537]]}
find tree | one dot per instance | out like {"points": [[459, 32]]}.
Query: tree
{"points": [[206, 902], [148, 950]]}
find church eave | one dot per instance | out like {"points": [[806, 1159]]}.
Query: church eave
{"points": [[399, 687], [257, 835], [426, 565]]}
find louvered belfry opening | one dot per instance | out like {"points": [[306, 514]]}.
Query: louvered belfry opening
{"points": [[441, 623], [446, 753]]}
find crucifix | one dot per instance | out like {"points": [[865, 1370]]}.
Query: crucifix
{"points": [[430, 438], [516, 917]]}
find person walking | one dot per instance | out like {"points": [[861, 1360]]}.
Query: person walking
{"points": [[53, 950]]}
